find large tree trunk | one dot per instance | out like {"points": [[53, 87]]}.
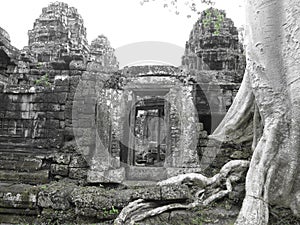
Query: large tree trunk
{"points": [[272, 83]]}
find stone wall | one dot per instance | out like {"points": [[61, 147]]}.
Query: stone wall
{"points": [[214, 44], [39, 119], [66, 115], [49, 84], [36, 122], [102, 53]]}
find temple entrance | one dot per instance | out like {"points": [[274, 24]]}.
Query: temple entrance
{"points": [[150, 144], [150, 133]]}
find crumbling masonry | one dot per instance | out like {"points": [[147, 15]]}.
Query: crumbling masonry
{"points": [[67, 111]]}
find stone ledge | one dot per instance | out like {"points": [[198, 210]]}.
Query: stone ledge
{"points": [[68, 202], [174, 171], [39, 177], [108, 176], [145, 173]]}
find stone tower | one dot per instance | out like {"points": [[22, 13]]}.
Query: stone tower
{"points": [[8, 56], [214, 44], [214, 57], [101, 52], [58, 34]]}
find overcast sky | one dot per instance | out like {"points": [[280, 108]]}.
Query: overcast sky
{"points": [[122, 21]]}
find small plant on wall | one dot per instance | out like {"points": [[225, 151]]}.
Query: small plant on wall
{"points": [[112, 211], [43, 81], [216, 18]]}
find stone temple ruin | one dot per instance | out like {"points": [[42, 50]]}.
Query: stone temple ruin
{"points": [[68, 111]]}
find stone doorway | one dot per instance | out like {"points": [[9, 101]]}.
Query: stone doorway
{"points": [[150, 133]]}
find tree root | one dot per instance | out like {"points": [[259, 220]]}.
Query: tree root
{"points": [[209, 190]]}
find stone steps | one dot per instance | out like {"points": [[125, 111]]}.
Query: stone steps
{"points": [[17, 196], [14, 218], [18, 203], [36, 177], [20, 167], [21, 154], [16, 148], [22, 164], [25, 165], [137, 173]]}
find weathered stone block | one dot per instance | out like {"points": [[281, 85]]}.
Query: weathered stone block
{"points": [[62, 158], [95, 67], [61, 80], [174, 192], [13, 107], [78, 161], [51, 98], [6, 218], [148, 193], [62, 97], [61, 89], [78, 173], [52, 123], [18, 196], [57, 215], [59, 65], [62, 170], [69, 114], [56, 115], [75, 73], [38, 177], [99, 198], [11, 114], [203, 142], [108, 176], [36, 72], [87, 212], [145, 173], [55, 195], [77, 65], [28, 164]]}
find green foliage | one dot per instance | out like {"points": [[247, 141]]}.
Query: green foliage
{"points": [[212, 16], [112, 211], [216, 18], [43, 187], [43, 81]]}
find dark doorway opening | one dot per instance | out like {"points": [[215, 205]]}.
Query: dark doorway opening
{"points": [[150, 133], [146, 131], [203, 108]]}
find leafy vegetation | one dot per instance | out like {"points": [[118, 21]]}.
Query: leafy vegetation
{"points": [[180, 6], [43, 81], [112, 211], [216, 18]]}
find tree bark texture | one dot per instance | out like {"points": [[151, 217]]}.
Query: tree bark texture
{"points": [[271, 85]]}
